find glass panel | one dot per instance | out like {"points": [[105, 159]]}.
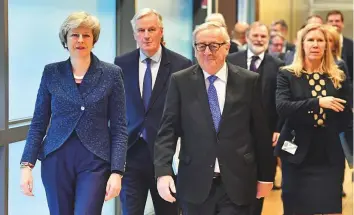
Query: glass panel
{"points": [[37, 205], [34, 42], [178, 23]]}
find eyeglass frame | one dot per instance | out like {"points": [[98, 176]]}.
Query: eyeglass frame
{"points": [[208, 45]]}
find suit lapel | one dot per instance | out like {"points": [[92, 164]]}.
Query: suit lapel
{"points": [[231, 91], [131, 80], [305, 85], [261, 66], [67, 80], [331, 90], [243, 62], [162, 77], [198, 85], [91, 77]]}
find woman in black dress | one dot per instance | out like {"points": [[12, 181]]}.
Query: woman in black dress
{"points": [[312, 95]]}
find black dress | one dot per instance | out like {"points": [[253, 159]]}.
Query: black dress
{"points": [[315, 185]]}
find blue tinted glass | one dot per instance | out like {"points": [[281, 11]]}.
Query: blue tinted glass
{"points": [[178, 23], [34, 42]]}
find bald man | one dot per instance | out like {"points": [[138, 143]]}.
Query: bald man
{"points": [[239, 35], [219, 18]]}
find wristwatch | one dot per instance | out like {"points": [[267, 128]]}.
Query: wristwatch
{"points": [[26, 165]]}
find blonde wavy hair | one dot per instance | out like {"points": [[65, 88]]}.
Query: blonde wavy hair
{"points": [[327, 66], [335, 37]]}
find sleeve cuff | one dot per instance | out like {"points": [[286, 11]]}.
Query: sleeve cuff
{"points": [[117, 172], [265, 182]]}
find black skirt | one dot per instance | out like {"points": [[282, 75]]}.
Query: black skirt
{"points": [[315, 185]]}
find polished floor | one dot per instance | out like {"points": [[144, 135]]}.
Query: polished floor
{"points": [[273, 203]]}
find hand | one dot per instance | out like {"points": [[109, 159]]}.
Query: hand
{"points": [[263, 189], [26, 181], [275, 138], [333, 103], [114, 185], [164, 185]]}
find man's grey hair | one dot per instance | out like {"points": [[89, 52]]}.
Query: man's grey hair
{"points": [[145, 12], [282, 23], [276, 34], [211, 25], [76, 20]]}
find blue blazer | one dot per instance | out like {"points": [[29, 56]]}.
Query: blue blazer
{"points": [[95, 111], [136, 116]]}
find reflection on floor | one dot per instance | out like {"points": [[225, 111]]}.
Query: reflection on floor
{"points": [[273, 203]]}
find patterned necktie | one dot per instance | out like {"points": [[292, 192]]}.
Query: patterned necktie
{"points": [[147, 89], [214, 102], [147, 85], [253, 66]]}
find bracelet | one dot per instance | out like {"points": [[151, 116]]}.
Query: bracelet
{"points": [[26, 165]]}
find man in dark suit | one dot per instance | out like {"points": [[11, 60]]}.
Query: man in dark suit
{"points": [[336, 19], [218, 17], [276, 43], [226, 154], [282, 27], [147, 73], [255, 59]]}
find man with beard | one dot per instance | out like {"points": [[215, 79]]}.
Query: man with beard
{"points": [[256, 60]]}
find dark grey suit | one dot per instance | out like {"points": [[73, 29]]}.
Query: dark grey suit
{"points": [[268, 71], [242, 145]]}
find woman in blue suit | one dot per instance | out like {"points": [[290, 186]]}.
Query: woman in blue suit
{"points": [[78, 129]]}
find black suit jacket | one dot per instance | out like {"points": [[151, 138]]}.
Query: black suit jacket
{"points": [[242, 145], [289, 47], [137, 117], [233, 47], [296, 105], [268, 71], [347, 55]]}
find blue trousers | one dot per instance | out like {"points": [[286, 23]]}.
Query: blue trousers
{"points": [[74, 180]]}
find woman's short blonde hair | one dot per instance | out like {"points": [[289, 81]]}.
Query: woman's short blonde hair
{"points": [[335, 37], [76, 20], [328, 66]]}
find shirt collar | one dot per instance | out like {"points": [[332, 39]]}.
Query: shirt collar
{"points": [[250, 54], [237, 42], [221, 74], [155, 58]]}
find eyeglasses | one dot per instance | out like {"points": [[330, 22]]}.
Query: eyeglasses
{"points": [[213, 47]]}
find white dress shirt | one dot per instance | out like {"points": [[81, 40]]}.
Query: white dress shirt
{"points": [[249, 59], [220, 86], [239, 45], [155, 65]]}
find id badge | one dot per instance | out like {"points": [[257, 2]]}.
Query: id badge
{"points": [[289, 146]]}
